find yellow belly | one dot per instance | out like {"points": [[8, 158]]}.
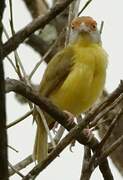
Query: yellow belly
{"points": [[85, 82]]}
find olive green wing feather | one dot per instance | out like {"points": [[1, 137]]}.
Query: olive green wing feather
{"points": [[57, 71]]}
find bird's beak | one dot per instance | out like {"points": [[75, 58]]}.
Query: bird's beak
{"points": [[84, 28]]}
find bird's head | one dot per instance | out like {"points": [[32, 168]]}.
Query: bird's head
{"points": [[86, 25]]}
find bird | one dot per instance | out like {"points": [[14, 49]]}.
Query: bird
{"points": [[74, 78]]}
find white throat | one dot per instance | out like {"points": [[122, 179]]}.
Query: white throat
{"points": [[94, 36]]}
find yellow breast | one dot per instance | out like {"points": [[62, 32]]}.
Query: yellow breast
{"points": [[85, 82]]}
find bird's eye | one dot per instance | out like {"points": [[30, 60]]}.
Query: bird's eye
{"points": [[72, 26], [94, 26]]}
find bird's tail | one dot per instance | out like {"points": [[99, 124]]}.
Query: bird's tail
{"points": [[41, 143]]}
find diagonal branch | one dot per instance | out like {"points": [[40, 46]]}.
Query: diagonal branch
{"points": [[20, 119], [75, 132], [36, 7], [93, 161], [23, 164], [46, 105], [37, 23], [111, 127], [113, 147]]}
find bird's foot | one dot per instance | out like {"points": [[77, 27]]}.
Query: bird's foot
{"points": [[88, 133], [72, 144], [70, 117]]}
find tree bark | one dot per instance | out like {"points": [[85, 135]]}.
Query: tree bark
{"points": [[3, 134]]}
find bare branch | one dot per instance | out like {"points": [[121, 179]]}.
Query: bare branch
{"points": [[85, 6], [113, 147], [46, 105], [110, 99], [55, 153], [37, 23], [3, 134], [106, 110], [108, 133], [93, 161], [85, 174], [15, 170], [20, 119], [36, 7], [25, 162]]}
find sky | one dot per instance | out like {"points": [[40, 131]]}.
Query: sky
{"points": [[21, 137]]}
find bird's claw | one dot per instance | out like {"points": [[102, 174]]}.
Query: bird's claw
{"points": [[70, 117], [72, 145]]}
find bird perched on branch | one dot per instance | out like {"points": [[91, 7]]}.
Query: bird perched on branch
{"points": [[74, 78]]}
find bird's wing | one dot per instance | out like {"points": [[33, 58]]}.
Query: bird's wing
{"points": [[57, 71]]}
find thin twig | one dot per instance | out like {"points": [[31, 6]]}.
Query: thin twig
{"points": [[101, 122], [84, 7], [110, 99], [9, 59], [57, 138], [106, 109], [107, 152], [28, 160], [5, 32], [98, 151], [11, 62], [19, 65], [42, 59], [16, 56], [20, 119], [110, 129], [37, 23], [22, 164], [11, 17], [59, 148], [113, 147], [15, 170], [13, 148], [101, 27], [70, 17], [59, 134]]}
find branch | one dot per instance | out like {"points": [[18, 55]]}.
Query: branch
{"points": [[107, 110], [28, 160], [25, 162], [15, 170], [37, 23], [75, 132], [107, 152], [3, 134], [36, 7], [84, 7], [103, 127], [47, 106], [20, 119], [109, 131], [85, 174], [93, 161], [109, 100], [113, 147]]}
